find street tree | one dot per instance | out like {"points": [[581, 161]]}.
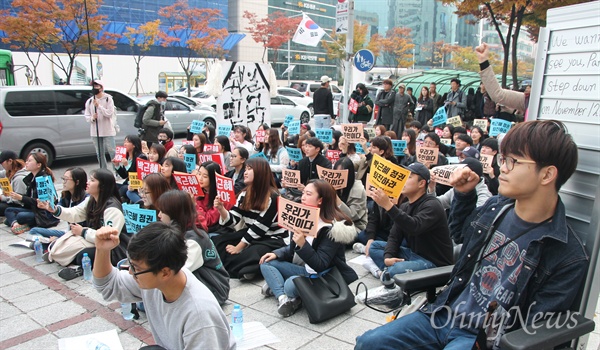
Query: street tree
{"points": [[191, 32], [396, 48], [141, 39], [336, 48], [272, 31]]}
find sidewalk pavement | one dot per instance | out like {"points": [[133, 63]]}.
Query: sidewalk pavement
{"points": [[37, 308]]}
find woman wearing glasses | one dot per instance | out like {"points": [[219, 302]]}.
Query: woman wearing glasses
{"points": [[154, 186]]}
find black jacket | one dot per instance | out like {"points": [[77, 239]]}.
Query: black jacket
{"points": [[308, 169], [323, 101], [385, 101], [239, 184], [379, 222], [424, 226]]}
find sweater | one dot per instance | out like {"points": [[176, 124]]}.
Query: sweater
{"points": [[193, 321], [105, 111], [17, 185]]}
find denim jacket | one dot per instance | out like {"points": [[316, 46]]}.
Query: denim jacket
{"points": [[553, 269]]}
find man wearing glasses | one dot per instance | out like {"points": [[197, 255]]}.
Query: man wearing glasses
{"points": [[518, 256], [182, 312]]}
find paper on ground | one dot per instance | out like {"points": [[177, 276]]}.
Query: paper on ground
{"points": [[255, 335], [359, 260], [92, 341]]}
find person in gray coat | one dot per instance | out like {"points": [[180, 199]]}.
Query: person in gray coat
{"points": [[385, 101], [456, 102], [402, 104]]}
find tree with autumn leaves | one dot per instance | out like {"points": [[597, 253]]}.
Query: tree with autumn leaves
{"points": [[141, 39], [56, 27], [272, 31], [396, 48]]}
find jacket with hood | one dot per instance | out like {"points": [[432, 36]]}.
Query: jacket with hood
{"points": [[17, 185], [326, 251]]}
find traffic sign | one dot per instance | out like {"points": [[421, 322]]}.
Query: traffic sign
{"points": [[364, 60]]}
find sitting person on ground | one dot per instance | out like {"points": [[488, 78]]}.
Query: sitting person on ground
{"points": [[242, 137], [276, 154], [239, 156], [381, 146], [308, 255], [433, 140], [165, 138], [352, 199], [170, 166], [177, 208], [489, 147], [312, 148], [14, 170], [157, 153], [224, 147], [518, 250], [483, 194], [420, 221], [410, 152], [207, 216], [256, 212], [379, 226], [181, 311], [154, 185], [133, 146]]}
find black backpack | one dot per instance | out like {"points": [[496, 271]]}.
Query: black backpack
{"points": [[140, 116]]}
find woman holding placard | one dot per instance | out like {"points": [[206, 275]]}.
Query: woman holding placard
{"points": [[256, 212], [207, 216], [276, 154], [133, 146], [380, 145], [14, 171], [307, 255], [154, 186], [224, 147], [21, 219], [352, 199]]}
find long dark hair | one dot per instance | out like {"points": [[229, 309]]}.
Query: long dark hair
{"points": [[209, 133], [273, 144], [181, 209], [156, 184], [346, 163], [137, 146], [212, 168], [108, 188], [329, 209], [190, 149], [412, 142], [262, 186], [203, 141], [40, 158], [178, 165], [224, 142], [79, 178]]}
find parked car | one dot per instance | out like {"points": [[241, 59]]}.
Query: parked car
{"points": [[50, 119], [282, 106], [199, 94], [298, 97], [181, 115], [309, 87], [197, 104]]}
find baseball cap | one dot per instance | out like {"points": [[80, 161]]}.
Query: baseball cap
{"points": [[325, 79], [401, 86], [98, 82], [419, 169], [474, 165], [470, 152], [6, 155]]}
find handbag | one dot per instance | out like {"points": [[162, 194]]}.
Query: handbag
{"points": [[325, 296], [65, 249]]}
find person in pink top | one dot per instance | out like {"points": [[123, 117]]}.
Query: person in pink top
{"points": [[99, 111]]}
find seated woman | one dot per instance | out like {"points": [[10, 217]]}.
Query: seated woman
{"points": [[410, 152], [308, 255], [276, 154], [101, 208], [171, 165], [74, 184], [224, 147], [157, 153], [256, 212], [15, 172], [176, 207], [154, 186], [207, 217], [133, 145], [21, 219], [239, 156], [380, 145], [352, 200], [242, 137]]}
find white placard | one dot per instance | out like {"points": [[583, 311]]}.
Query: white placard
{"points": [[575, 39]]}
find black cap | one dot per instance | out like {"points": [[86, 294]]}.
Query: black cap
{"points": [[6, 155], [474, 165], [419, 169]]}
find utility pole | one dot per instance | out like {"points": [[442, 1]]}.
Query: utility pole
{"points": [[349, 57]]}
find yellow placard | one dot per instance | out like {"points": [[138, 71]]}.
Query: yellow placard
{"points": [[6, 187], [134, 182], [388, 176]]}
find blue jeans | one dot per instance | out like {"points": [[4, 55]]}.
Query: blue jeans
{"points": [[108, 145], [20, 215], [412, 261], [46, 232], [279, 275], [417, 331], [322, 121], [133, 196], [362, 236]]}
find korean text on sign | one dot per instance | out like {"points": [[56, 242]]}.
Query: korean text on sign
{"points": [[120, 153], [295, 154], [196, 126], [353, 132], [211, 148], [325, 135], [337, 178], [295, 216], [444, 172], [224, 130], [486, 163], [388, 176], [6, 186], [294, 128], [188, 183], [134, 181], [399, 146], [146, 167], [260, 136], [137, 218], [333, 155], [427, 155], [225, 189], [499, 126], [440, 117], [290, 178], [190, 162]]}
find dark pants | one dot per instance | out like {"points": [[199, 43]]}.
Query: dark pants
{"points": [[21, 215]]}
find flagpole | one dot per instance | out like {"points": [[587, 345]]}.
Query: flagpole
{"points": [[290, 53], [349, 54]]}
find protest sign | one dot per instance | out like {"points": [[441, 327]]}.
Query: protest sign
{"points": [[294, 127], [482, 123], [388, 176], [224, 130], [370, 187], [290, 178], [353, 132], [444, 172], [440, 117], [399, 146], [190, 162], [439, 132], [213, 157], [196, 126], [325, 135], [447, 142], [134, 182], [427, 155], [45, 190], [259, 155], [333, 155], [486, 163], [145, 167], [188, 183], [288, 119], [295, 154], [211, 148], [137, 218], [499, 126], [187, 142], [6, 186], [120, 153], [359, 148], [454, 121], [260, 136], [295, 216], [225, 189], [370, 132], [337, 178]]}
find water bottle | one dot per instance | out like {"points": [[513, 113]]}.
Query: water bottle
{"points": [[126, 311], [86, 263], [39, 250], [237, 322]]}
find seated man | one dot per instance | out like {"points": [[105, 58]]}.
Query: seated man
{"points": [[420, 221], [518, 252], [182, 312]]}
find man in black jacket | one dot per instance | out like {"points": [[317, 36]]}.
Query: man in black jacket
{"points": [[323, 104], [308, 164], [421, 222], [385, 102]]}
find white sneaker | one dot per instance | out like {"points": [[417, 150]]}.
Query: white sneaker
{"points": [[358, 248], [370, 265]]}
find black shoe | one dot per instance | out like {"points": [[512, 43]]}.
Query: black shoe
{"points": [[69, 273]]}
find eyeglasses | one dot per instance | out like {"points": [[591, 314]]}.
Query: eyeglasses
{"points": [[143, 192], [510, 161], [65, 179], [133, 272]]}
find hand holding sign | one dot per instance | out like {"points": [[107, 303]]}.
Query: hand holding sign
{"points": [[440, 117], [295, 216], [465, 180], [380, 197], [353, 132], [337, 178], [387, 176], [399, 146], [196, 126], [225, 189], [444, 173], [427, 155], [325, 135], [499, 126], [290, 178], [294, 127], [6, 186]]}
